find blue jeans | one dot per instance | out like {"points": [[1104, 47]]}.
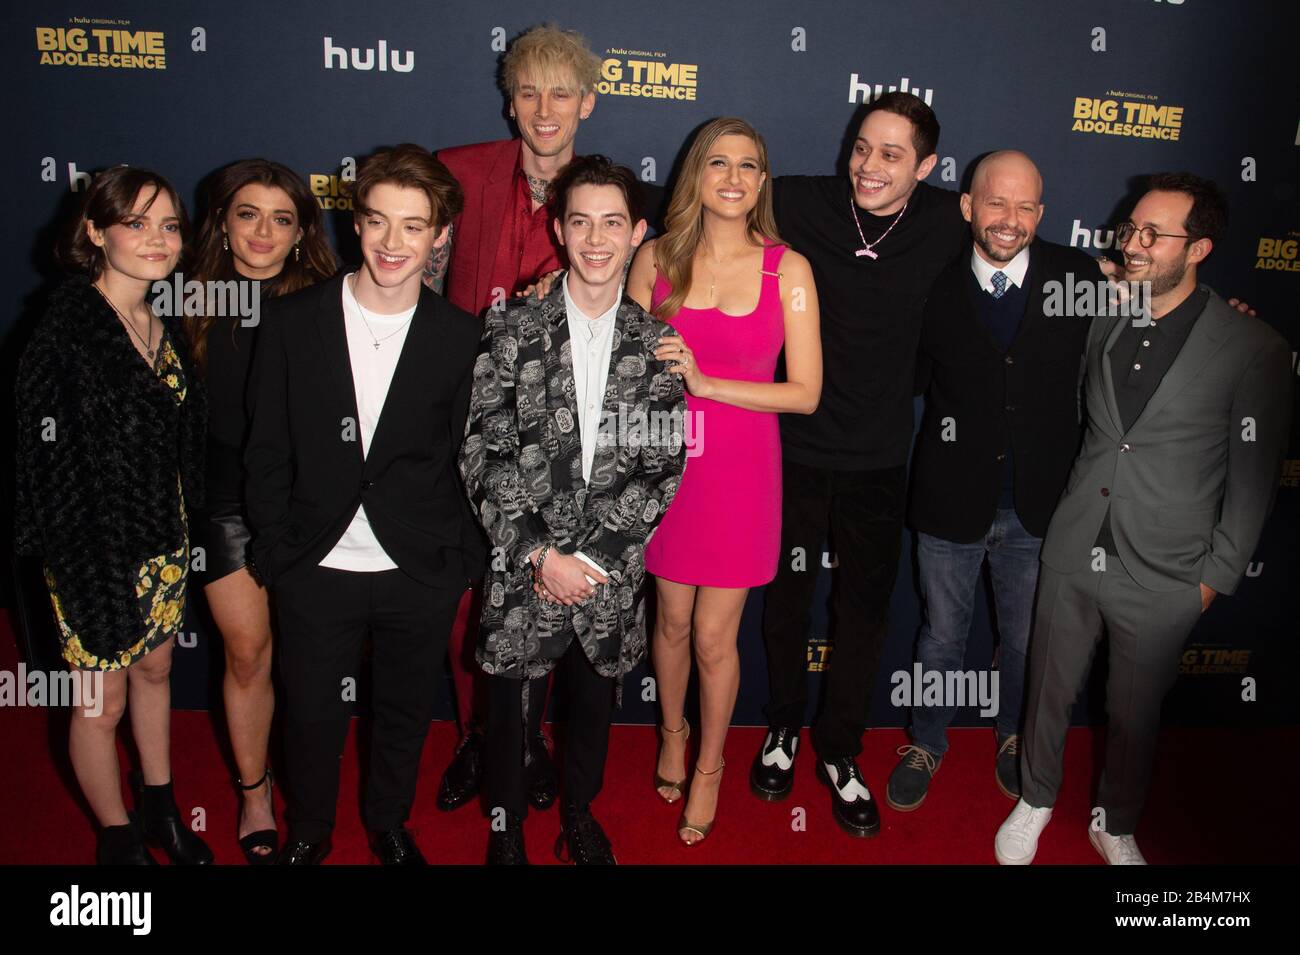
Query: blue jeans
{"points": [[949, 575]]}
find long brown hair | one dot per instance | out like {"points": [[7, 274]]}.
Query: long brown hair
{"points": [[212, 262], [684, 224]]}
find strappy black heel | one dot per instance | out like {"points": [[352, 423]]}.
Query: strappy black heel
{"points": [[262, 838]]}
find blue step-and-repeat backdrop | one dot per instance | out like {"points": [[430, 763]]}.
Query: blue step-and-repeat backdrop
{"points": [[1097, 93]]}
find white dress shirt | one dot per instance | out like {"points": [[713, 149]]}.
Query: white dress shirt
{"points": [[591, 342], [1014, 270], [372, 372]]}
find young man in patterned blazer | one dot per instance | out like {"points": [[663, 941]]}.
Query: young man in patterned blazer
{"points": [[573, 450]]}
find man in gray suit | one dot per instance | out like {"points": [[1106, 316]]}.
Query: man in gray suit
{"points": [[1188, 419]]}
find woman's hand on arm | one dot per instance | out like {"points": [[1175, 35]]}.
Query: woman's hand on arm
{"points": [[801, 390]]}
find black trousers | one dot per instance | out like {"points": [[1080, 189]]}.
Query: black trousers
{"points": [[324, 618], [589, 699], [864, 512], [1147, 632]]}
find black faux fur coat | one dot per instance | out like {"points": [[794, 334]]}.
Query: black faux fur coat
{"points": [[100, 442]]}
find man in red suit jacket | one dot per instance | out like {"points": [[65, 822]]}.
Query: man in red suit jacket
{"points": [[502, 243], [503, 239]]}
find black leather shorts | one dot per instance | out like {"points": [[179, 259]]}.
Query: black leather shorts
{"points": [[224, 535]]}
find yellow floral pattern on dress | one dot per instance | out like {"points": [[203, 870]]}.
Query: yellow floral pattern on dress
{"points": [[160, 581]]}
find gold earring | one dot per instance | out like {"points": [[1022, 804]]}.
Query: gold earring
{"points": [[225, 242], [297, 252]]}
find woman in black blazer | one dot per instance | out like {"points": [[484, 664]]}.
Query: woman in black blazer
{"points": [[264, 231], [110, 454]]}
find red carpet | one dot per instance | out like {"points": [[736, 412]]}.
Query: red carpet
{"points": [[1192, 815]]}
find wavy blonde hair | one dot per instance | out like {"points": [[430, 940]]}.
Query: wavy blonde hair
{"points": [[552, 58], [674, 251]]}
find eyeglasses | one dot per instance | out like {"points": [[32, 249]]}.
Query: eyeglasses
{"points": [[1147, 235]]}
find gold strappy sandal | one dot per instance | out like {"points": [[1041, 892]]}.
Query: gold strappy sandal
{"points": [[675, 786], [702, 829]]}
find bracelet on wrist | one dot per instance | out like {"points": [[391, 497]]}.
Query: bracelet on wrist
{"points": [[541, 559]]}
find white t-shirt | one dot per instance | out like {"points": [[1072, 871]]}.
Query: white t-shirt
{"points": [[372, 372]]}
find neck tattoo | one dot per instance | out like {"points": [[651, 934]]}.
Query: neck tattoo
{"points": [[538, 188]]}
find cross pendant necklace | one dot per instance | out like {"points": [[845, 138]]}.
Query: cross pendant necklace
{"points": [[362, 309]]}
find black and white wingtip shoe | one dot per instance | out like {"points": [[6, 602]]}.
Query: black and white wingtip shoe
{"points": [[771, 777], [851, 801]]}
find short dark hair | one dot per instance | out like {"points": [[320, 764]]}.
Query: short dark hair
{"points": [[596, 170], [109, 202], [410, 167], [925, 125], [1208, 218]]}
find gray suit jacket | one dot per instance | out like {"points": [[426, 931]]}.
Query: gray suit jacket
{"points": [[1190, 484]]}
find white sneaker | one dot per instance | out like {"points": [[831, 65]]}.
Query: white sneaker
{"points": [[1017, 840], [1116, 850]]}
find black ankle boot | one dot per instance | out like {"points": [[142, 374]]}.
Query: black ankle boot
{"points": [[163, 824], [123, 845]]}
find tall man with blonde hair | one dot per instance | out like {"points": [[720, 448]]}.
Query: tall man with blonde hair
{"points": [[503, 242]]}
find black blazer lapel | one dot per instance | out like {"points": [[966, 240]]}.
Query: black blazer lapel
{"points": [[418, 358], [1033, 285], [964, 292], [333, 337]]}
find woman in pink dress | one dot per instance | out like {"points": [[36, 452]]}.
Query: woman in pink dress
{"points": [[736, 295]]}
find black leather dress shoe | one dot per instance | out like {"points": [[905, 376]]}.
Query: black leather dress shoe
{"points": [[543, 785], [771, 777], [298, 852], [506, 847], [464, 775], [396, 847], [161, 821], [123, 845], [851, 801], [582, 836]]}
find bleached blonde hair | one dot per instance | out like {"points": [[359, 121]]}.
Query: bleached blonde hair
{"points": [[552, 58]]}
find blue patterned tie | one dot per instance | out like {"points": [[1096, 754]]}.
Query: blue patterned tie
{"points": [[999, 281]]}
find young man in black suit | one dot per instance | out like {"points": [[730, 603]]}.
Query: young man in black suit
{"points": [[358, 398]]}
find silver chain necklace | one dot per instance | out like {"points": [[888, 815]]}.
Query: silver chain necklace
{"points": [[362, 309], [866, 249], [131, 328]]}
